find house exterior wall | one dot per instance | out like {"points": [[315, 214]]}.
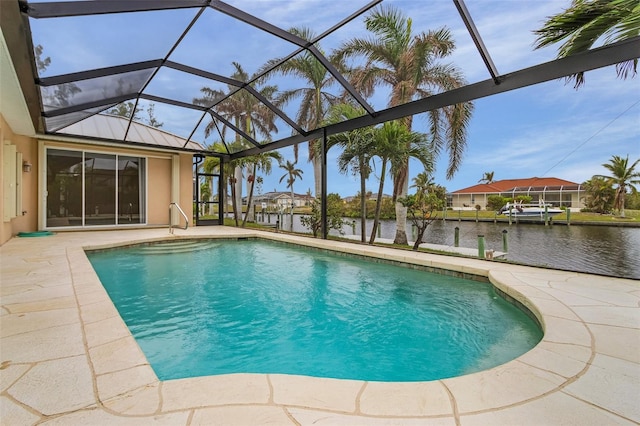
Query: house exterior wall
{"points": [[469, 201], [570, 198], [159, 181], [27, 220], [186, 185], [159, 178], [158, 190]]}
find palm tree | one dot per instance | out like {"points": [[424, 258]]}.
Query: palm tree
{"points": [[357, 147], [587, 21], [599, 194], [622, 176], [395, 144], [487, 177], [408, 63], [246, 112], [291, 174], [315, 100], [257, 162], [422, 182], [422, 205]]}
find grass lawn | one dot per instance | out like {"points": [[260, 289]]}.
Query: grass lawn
{"points": [[630, 216]]}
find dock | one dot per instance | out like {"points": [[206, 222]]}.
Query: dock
{"points": [[465, 251]]}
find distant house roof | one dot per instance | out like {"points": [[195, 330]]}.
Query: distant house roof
{"points": [[507, 185], [104, 126]]}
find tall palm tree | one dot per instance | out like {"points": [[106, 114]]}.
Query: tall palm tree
{"points": [[587, 21], [315, 99], [487, 177], [409, 64], [395, 144], [622, 176], [356, 155], [291, 174], [257, 162], [246, 112]]}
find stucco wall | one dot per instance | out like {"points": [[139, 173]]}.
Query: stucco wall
{"points": [[159, 190], [186, 185], [28, 221]]}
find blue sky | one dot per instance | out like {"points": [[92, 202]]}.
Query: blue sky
{"points": [[547, 130]]}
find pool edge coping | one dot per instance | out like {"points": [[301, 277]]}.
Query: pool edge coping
{"points": [[359, 250], [142, 394]]}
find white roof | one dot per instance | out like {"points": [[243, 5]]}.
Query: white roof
{"points": [[103, 126]]}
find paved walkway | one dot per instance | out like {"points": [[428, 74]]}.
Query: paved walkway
{"points": [[68, 359]]}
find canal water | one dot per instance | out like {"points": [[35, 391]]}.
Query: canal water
{"points": [[606, 250]]}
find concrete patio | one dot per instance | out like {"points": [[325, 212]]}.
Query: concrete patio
{"points": [[67, 357]]}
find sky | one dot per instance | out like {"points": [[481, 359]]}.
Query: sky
{"points": [[546, 130]]}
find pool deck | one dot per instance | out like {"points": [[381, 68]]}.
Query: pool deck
{"points": [[67, 358]]}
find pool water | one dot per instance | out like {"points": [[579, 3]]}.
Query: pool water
{"points": [[264, 307]]}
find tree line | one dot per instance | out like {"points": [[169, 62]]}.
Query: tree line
{"points": [[411, 66]]}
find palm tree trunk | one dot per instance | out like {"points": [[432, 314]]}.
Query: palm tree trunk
{"points": [[317, 174], [620, 199], [233, 200], [293, 203], [237, 193], [401, 189], [376, 218], [249, 213], [363, 208]]}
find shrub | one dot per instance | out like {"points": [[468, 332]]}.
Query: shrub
{"points": [[313, 222], [496, 202]]}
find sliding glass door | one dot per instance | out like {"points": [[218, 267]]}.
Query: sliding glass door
{"points": [[94, 189], [131, 184]]}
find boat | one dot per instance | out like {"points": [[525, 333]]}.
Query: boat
{"points": [[530, 211]]}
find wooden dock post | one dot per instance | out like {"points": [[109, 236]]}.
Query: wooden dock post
{"points": [[546, 215], [481, 246], [505, 243]]}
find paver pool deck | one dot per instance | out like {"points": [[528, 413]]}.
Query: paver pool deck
{"points": [[67, 357]]}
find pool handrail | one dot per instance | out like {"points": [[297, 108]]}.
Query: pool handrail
{"points": [[186, 220]]}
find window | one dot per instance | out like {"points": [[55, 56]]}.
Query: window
{"points": [[94, 189]]}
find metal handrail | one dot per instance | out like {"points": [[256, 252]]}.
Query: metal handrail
{"points": [[183, 215]]}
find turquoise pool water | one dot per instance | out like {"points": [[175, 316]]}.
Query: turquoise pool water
{"points": [[263, 307]]}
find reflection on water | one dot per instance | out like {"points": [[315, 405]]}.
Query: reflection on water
{"points": [[606, 250]]}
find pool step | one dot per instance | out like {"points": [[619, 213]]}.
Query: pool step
{"points": [[181, 246]]}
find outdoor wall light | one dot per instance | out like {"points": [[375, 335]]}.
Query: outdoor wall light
{"points": [[26, 167]]}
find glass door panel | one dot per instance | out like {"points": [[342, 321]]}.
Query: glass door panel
{"points": [[64, 188], [130, 190], [100, 189]]}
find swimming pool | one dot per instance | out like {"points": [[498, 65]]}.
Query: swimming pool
{"points": [[264, 307]]}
